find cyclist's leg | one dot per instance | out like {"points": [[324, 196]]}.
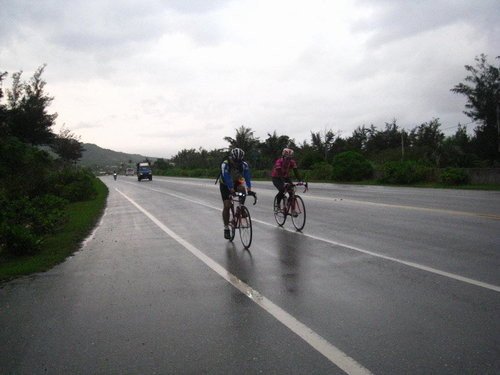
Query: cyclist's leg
{"points": [[225, 210], [280, 185], [287, 180]]}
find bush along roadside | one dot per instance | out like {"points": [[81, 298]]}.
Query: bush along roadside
{"points": [[454, 176], [65, 225]]}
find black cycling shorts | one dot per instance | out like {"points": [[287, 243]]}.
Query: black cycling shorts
{"points": [[279, 183], [224, 190]]}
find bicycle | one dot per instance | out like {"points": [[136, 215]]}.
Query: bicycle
{"points": [[294, 206], [239, 218]]}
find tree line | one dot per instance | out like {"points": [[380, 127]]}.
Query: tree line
{"points": [[415, 153], [38, 172]]}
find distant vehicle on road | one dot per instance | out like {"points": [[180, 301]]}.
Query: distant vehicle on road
{"points": [[129, 172], [144, 171]]}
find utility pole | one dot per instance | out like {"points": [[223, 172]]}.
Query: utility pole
{"points": [[497, 97], [498, 121]]}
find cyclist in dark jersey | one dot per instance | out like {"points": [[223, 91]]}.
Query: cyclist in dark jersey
{"points": [[281, 172], [235, 175]]}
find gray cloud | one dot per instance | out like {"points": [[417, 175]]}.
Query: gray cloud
{"points": [[184, 74], [399, 19]]}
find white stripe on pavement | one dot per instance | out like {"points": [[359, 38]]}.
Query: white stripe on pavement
{"points": [[335, 355], [418, 266]]}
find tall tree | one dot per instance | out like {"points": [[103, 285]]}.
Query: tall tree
{"points": [[244, 139], [389, 138], [426, 141], [67, 145], [457, 150], [28, 118], [358, 140], [271, 148], [3, 109], [481, 88], [323, 143]]}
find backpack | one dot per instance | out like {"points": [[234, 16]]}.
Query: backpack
{"points": [[225, 159]]}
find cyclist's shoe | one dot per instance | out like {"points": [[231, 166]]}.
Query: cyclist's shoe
{"points": [[295, 214], [227, 234]]}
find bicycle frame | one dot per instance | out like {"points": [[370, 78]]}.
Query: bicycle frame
{"points": [[290, 190], [293, 206], [239, 198], [240, 218]]}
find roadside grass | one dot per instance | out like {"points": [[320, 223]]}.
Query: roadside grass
{"points": [[82, 218]]}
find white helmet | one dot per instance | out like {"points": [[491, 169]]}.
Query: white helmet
{"points": [[237, 154], [287, 153]]}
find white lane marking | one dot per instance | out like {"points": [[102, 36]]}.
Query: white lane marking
{"points": [[412, 264], [335, 355], [404, 207], [421, 267], [376, 204]]}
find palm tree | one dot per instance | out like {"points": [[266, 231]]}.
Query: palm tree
{"points": [[247, 142]]}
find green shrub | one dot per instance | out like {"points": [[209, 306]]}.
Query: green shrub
{"points": [[48, 213], [405, 172], [25, 221], [351, 166], [73, 184], [23, 169], [19, 240], [454, 176], [321, 171]]}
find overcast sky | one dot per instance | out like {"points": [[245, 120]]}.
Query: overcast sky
{"points": [[154, 77]]}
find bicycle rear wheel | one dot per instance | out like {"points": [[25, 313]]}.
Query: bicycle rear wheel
{"points": [[279, 215], [245, 227], [298, 213]]}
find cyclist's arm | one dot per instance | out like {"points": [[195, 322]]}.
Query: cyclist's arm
{"points": [[297, 174], [226, 176], [293, 165], [247, 176]]}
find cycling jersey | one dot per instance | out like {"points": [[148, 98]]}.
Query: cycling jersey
{"points": [[282, 167], [231, 176]]}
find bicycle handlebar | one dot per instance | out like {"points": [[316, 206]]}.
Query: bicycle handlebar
{"points": [[305, 184], [241, 195], [254, 195]]}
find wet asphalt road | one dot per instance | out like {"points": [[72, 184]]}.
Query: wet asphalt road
{"points": [[382, 280]]}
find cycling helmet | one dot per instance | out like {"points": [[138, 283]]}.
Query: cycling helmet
{"points": [[287, 153], [237, 154]]}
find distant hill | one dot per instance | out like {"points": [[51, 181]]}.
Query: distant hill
{"points": [[99, 158]]}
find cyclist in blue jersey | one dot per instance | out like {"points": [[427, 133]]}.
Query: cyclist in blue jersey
{"points": [[234, 176]]}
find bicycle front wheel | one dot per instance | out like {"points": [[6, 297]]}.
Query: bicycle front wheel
{"points": [[298, 213], [232, 224], [279, 215], [245, 227]]}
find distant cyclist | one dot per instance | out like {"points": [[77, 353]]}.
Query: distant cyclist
{"points": [[281, 172], [235, 175]]}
